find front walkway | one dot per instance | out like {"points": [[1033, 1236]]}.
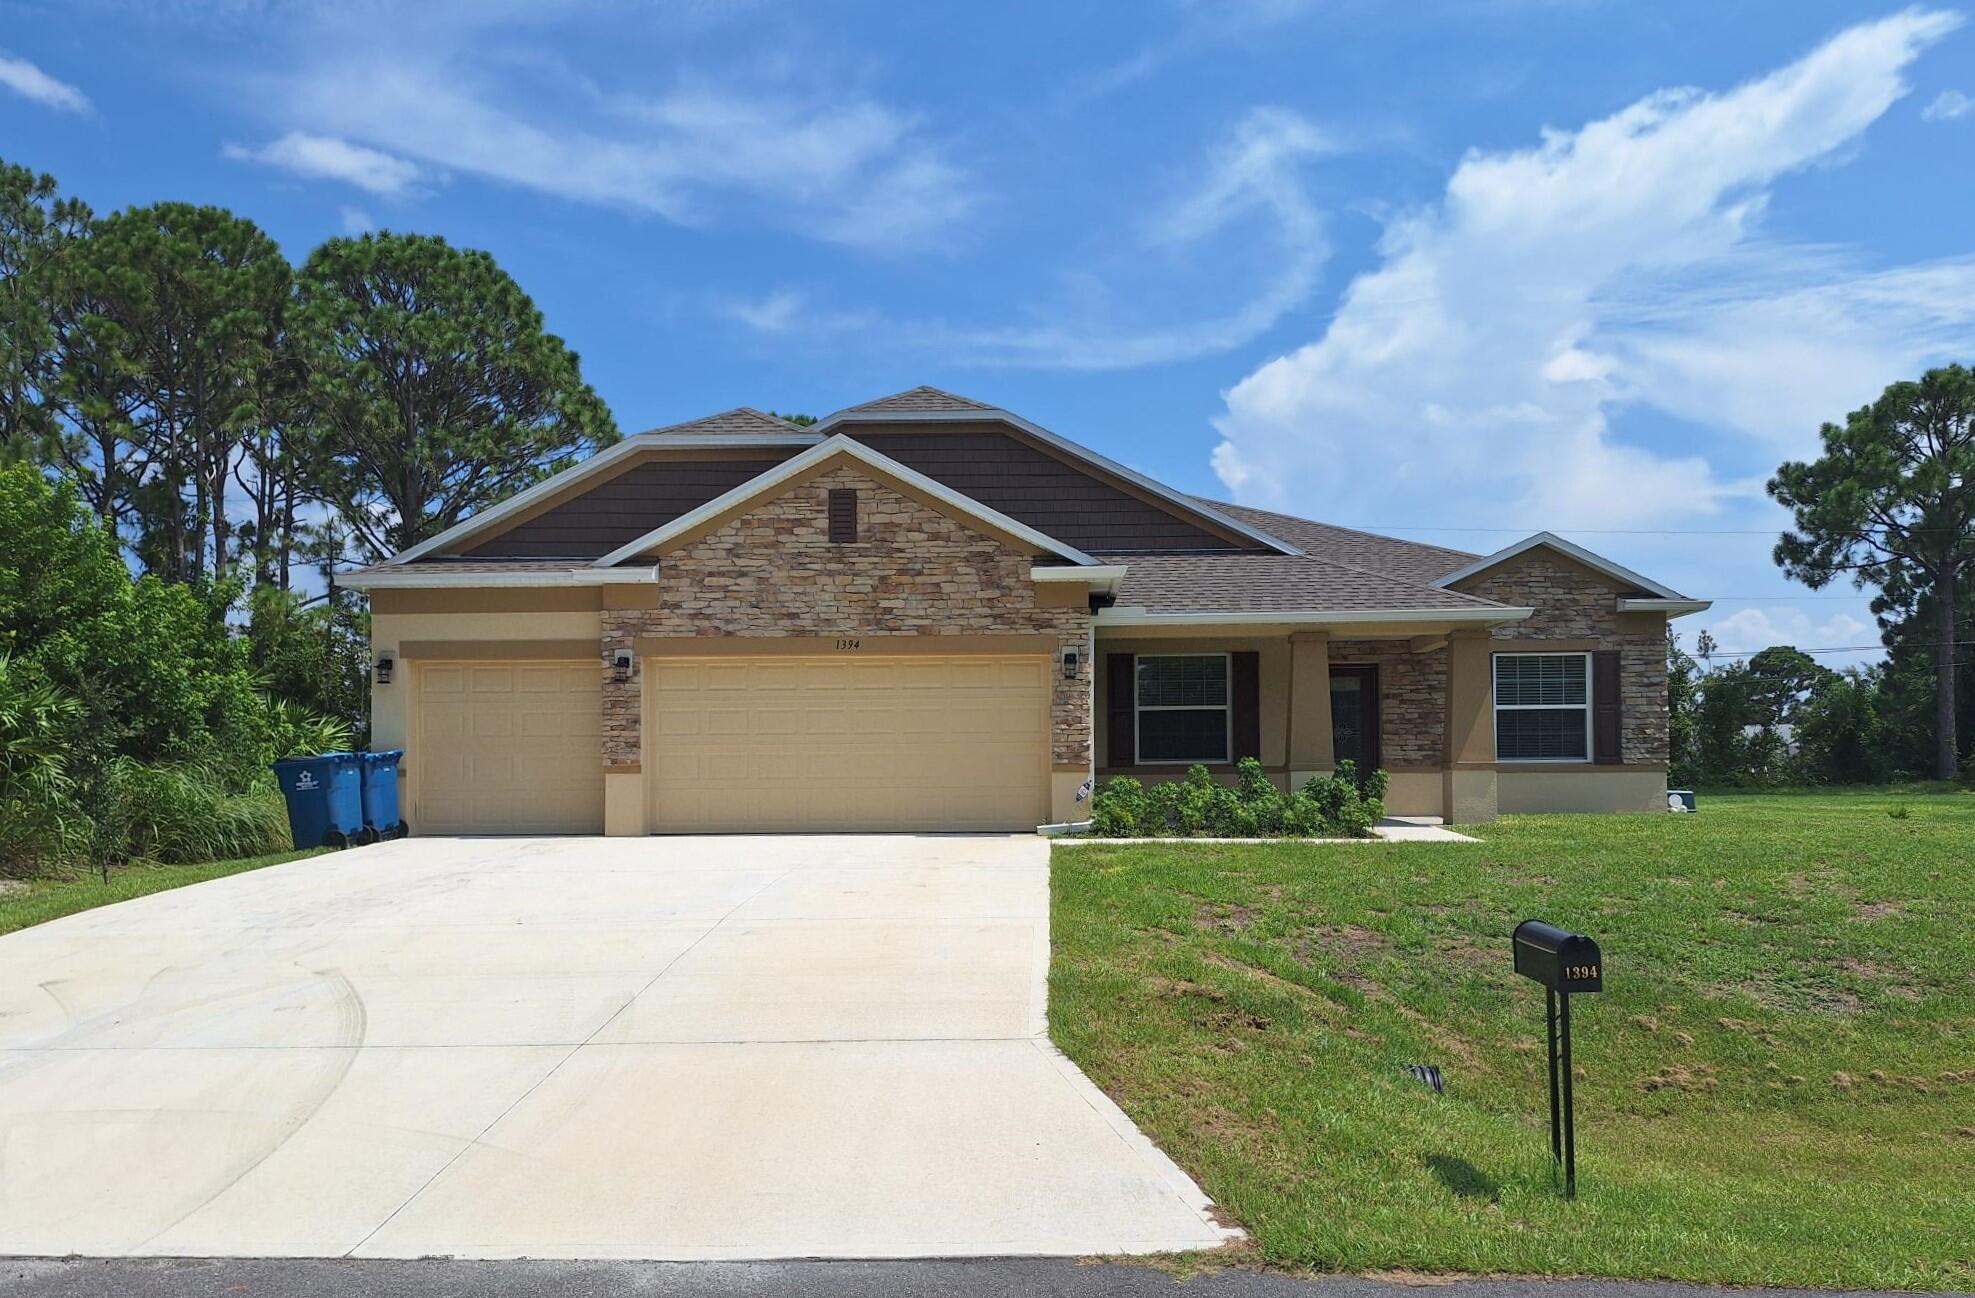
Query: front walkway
{"points": [[687, 1048]]}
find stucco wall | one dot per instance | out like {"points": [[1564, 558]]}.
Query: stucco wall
{"points": [[1575, 604], [772, 571]]}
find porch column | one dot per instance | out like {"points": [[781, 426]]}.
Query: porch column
{"points": [[1470, 779], [623, 724], [1310, 751]]}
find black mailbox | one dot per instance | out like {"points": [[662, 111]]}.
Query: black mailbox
{"points": [[1561, 960]]}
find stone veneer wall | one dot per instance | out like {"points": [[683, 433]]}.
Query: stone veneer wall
{"points": [[1573, 603], [1412, 688], [773, 571]]}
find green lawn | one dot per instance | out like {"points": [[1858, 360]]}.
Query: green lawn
{"points": [[48, 899], [1777, 1085]]}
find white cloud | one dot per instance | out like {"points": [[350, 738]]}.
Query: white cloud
{"points": [[1249, 196], [1617, 265], [30, 82], [1947, 106], [355, 220], [801, 152], [1749, 629], [776, 313], [1253, 193], [325, 157]]}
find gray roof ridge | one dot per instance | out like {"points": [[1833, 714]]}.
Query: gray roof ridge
{"points": [[1417, 587]]}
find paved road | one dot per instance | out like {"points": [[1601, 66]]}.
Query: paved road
{"points": [[684, 1048], [983, 1278]]}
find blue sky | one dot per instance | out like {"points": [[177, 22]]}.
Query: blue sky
{"points": [[1499, 265]]}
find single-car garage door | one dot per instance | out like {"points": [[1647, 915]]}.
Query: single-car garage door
{"points": [[508, 748], [852, 743]]}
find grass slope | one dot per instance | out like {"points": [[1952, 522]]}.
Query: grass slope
{"points": [[1776, 1087], [46, 899]]}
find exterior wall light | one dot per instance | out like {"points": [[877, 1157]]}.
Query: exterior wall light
{"points": [[621, 662], [1069, 664], [385, 666]]}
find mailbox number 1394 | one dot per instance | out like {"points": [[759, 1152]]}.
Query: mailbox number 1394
{"points": [[1580, 972]]}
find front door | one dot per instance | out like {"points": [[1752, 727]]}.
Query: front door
{"points": [[1354, 716]]}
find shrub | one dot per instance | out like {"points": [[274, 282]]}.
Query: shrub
{"points": [[186, 813], [1331, 806], [41, 824], [1120, 808]]}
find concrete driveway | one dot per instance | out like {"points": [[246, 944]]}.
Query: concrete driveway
{"points": [[690, 1048]]}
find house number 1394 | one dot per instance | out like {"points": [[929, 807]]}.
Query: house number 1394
{"points": [[850, 644]]}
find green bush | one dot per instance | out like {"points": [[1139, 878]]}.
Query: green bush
{"points": [[40, 820], [188, 813], [133, 721], [1327, 806]]}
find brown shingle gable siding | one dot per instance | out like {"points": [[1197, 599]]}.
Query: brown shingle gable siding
{"points": [[1008, 474], [624, 508]]}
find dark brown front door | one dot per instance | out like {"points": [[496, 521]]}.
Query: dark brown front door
{"points": [[1354, 716]]}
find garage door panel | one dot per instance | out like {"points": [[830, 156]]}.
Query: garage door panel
{"points": [[505, 748], [922, 742]]}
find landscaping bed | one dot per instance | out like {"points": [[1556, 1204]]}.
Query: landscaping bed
{"points": [[1776, 1087]]}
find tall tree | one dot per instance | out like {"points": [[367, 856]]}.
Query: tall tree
{"points": [[436, 389], [38, 230], [181, 328], [1892, 502]]}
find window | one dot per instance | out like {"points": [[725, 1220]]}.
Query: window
{"points": [[1182, 707], [1543, 707], [843, 514]]}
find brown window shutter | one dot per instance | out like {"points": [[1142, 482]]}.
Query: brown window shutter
{"points": [[1121, 745], [1605, 717], [843, 514], [1245, 687]]}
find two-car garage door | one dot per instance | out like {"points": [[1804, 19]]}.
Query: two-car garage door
{"points": [[847, 743], [909, 742]]}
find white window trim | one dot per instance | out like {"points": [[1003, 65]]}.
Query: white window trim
{"points": [[1494, 693], [1227, 738]]}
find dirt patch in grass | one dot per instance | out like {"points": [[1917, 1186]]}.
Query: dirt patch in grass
{"points": [[1879, 909], [1226, 920], [1690, 1079]]}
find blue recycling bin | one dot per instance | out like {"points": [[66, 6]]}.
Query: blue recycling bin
{"points": [[325, 798], [381, 818]]}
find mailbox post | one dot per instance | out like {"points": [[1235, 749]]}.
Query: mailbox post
{"points": [[1565, 963]]}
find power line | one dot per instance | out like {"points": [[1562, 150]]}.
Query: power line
{"points": [[1829, 649]]}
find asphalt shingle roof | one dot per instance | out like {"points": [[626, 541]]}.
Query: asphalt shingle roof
{"points": [[917, 399], [742, 421], [1271, 583], [1413, 560]]}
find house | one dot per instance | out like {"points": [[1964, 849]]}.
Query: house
{"points": [[928, 613]]}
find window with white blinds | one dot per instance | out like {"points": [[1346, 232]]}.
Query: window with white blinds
{"points": [[1543, 707]]}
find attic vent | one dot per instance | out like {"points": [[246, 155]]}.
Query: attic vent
{"points": [[843, 514]]}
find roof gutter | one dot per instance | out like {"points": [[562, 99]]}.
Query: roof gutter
{"points": [[1102, 577], [1140, 616], [417, 578], [1670, 607]]}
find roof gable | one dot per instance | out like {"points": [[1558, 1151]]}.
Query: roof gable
{"points": [[817, 459], [1624, 576]]}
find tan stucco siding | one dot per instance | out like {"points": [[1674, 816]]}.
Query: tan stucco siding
{"points": [[1600, 788]]}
